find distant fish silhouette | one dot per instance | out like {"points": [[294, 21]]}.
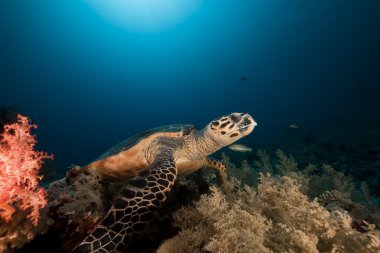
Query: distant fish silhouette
{"points": [[294, 126], [240, 148], [243, 78]]}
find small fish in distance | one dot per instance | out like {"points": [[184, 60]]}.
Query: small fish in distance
{"points": [[240, 148], [294, 126], [242, 79]]}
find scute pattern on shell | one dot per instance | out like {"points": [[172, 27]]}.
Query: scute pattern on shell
{"points": [[130, 142]]}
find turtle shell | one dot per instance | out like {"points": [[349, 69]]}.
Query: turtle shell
{"points": [[132, 141]]}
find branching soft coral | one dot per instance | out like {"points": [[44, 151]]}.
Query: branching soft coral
{"points": [[19, 166], [220, 223], [276, 218]]}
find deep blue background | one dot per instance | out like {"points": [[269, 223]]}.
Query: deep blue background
{"points": [[90, 84]]}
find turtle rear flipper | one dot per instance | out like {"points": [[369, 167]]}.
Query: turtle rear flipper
{"points": [[132, 208], [219, 168]]}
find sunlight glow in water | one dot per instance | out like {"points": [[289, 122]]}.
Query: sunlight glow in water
{"points": [[145, 16]]}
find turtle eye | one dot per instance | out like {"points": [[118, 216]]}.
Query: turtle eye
{"points": [[187, 131], [235, 118]]}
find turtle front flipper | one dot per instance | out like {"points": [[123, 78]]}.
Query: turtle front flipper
{"points": [[132, 208], [218, 167]]}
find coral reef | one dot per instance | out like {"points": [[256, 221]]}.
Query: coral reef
{"points": [[277, 213], [277, 217], [354, 151], [21, 198], [269, 205], [76, 203]]}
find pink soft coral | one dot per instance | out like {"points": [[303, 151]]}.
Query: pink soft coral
{"points": [[19, 166]]}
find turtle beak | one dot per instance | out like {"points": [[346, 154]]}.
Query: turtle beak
{"points": [[246, 124]]}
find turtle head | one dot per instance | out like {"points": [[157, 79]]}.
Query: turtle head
{"points": [[230, 128]]}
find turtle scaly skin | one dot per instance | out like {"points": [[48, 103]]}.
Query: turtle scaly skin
{"points": [[158, 160], [133, 207], [218, 167]]}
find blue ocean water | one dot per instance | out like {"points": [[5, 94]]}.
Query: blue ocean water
{"points": [[90, 80], [91, 73]]}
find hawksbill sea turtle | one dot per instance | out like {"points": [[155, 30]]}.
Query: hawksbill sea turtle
{"points": [[151, 161]]}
